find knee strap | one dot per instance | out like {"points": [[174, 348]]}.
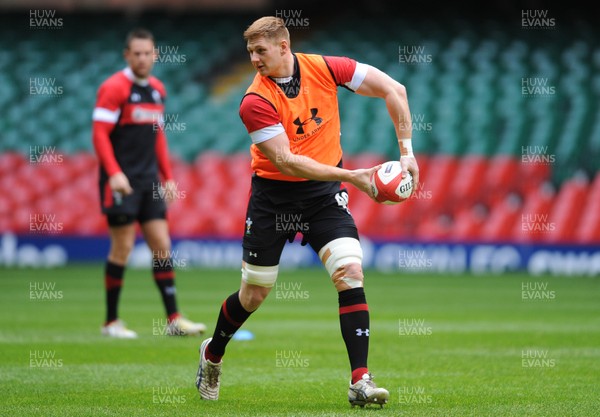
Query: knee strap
{"points": [[340, 252], [263, 276]]}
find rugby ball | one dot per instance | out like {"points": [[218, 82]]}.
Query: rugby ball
{"points": [[388, 186]]}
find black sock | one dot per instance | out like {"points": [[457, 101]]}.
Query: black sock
{"points": [[231, 318], [354, 322], [113, 281], [164, 276]]}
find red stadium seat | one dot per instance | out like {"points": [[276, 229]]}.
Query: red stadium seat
{"points": [[209, 166], [535, 216], [423, 161], [531, 175], [91, 224], [228, 226], [20, 191], [6, 224], [467, 183], [566, 212], [6, 205], [363, 160], [41, 186], [21, 219], [588, 229], [238, 170], [363, 209], [389, 223], [45, 204], [501, 220], [82, 162], [500, 178], [434, 228], [468, 223], [185, 224], [58, 175], [11, 162], [436, 180]]}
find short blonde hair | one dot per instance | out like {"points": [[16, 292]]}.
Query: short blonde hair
{"points": [[270, 27]]}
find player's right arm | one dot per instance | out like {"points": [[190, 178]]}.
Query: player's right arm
{"points": [[268, 135], [106, 115], [277, 149]]}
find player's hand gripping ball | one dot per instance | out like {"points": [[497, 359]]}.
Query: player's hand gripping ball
{"points": [[388, 186]]}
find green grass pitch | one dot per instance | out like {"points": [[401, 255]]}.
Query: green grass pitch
{"points": [[456, 345]]}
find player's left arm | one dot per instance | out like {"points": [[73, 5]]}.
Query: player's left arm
{"points": [[164, 164], [376, 83], [161, 148], [162, 155]]}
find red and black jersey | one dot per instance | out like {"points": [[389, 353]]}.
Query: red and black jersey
{"points": [[127, 128]]}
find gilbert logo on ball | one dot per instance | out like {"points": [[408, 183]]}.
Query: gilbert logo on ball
{"points": [[388, 185]]}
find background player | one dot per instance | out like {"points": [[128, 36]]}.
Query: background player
{"points": [[291, 113], [131, 147]]}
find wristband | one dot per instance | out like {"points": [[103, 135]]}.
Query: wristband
{"points": [[406, 147]]}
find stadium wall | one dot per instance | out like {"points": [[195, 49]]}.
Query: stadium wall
{"points": [[391, 257]]}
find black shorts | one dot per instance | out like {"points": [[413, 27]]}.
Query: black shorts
{"points": [[143, 204], [272, 220]]}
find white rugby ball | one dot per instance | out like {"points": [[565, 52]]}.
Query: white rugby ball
{"points": [[388, 186]]}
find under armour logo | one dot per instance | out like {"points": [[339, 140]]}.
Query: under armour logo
{"points": [[301, 124], [223, 334], [253, 254], [361, 332]]}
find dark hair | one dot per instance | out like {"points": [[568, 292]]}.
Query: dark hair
{"points": [[138, 34]]}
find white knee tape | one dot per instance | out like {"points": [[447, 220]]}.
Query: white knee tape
{"points": [[263, 276], [339, 252]]}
